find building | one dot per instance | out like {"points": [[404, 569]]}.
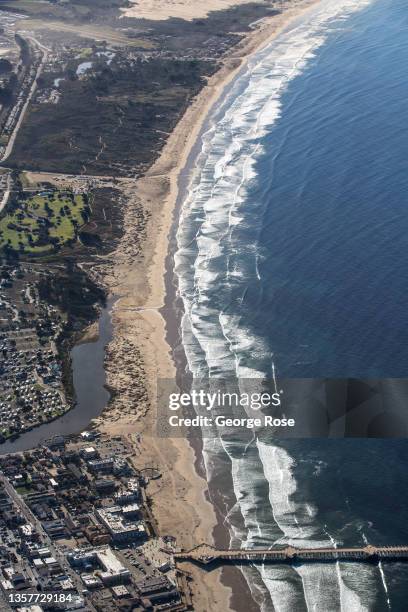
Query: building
{"points": [[125, 497], [156, 586], [88, 453], [131, 511], [97, 535], [121, 467], [88, 435], [52, 565], [56, 528], [83, 559], [133, 486], [113, 571], [67, 584], [91, 581], [105, 485], [105, 466], [104, 564], [122, 527], [120, 591], [26, 531], [129, 494], [40, 566]]}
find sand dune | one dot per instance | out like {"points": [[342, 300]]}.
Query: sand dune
{"points": [[183, 9]]}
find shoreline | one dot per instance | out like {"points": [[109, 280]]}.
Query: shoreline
{"points": [[146, 335]]}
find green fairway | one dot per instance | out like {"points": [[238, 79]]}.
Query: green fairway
{"points": [[42, 223]]}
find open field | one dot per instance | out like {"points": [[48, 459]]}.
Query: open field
{"points": [[113, 117], [42, 223], [112, 121]]}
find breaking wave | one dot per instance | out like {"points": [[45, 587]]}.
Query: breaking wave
{"points": [[217, 266]]}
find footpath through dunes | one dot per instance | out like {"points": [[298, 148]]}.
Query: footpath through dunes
{"points": [[204, 554]]}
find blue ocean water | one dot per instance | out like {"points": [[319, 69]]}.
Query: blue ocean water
{"points": [[334, 174], [311, 266], [291, 260]]}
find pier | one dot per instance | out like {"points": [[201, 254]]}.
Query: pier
{"points": [[207, 555]]}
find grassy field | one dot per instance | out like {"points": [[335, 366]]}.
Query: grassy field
{"points": [[42, 223]]}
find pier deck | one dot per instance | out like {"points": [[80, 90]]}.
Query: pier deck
{"points": [[205, 554]]}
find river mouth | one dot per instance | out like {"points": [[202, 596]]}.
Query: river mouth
{"points": [[89, 380]]}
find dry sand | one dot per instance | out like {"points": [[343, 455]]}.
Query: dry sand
{"points": [[138, 354], [159, 10]]}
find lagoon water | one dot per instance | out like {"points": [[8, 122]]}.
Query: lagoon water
{"points": [[292, 261]]}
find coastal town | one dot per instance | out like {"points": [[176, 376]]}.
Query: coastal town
{"points": [[194, 194], [100, 548], [31, 384], [58, 216], [33, 388], [97, 550]]}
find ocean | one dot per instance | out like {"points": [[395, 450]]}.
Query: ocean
{"points": [[290, 263]]}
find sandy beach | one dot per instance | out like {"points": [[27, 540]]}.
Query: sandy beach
{"points": [[139, 353]]}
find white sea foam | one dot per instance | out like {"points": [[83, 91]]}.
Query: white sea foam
{"points": [[380, 567], [219, 228], [217, 262]]}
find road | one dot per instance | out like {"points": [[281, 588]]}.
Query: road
{"points": [[6, 194], [33, 87]]}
